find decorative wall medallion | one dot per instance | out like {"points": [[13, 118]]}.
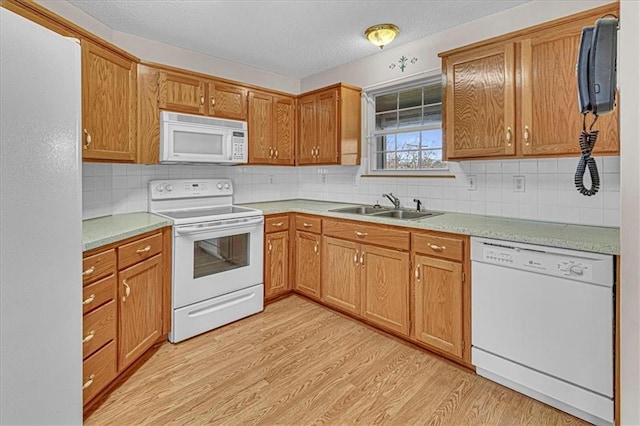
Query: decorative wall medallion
{"points": [[403, 63]]}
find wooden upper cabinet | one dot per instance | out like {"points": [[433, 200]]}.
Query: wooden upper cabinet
{"points": [[480, 102], [329, 126], [516, 95], [551, 121], [271, 121], [108, 105], [307, 126], [227, 101], [181, 93]]}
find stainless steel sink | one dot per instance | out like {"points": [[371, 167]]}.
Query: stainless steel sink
{"points": [[362, 210], [387, 212], [407, 214]]}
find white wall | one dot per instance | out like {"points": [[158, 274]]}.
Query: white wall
{"points": [[629, 70], [153, 51]]}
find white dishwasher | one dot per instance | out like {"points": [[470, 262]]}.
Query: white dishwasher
{"points": [[542, 324]]}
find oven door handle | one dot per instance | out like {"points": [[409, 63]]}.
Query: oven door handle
{"points": [[215, 227]]}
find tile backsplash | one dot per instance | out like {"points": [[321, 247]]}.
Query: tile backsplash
{"points": [[540, 189]]}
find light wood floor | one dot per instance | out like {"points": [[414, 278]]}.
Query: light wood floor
{"points": [[298, 363]]}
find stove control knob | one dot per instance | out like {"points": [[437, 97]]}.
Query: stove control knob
{"points": [[219, 185], [168, 187], [226, 186], [576, 270], [160, 188]]}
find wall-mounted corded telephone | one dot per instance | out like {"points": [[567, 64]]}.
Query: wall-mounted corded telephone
{"points": [[596, 73]]}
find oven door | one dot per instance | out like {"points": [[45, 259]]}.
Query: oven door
{"points": [[215, 258]]}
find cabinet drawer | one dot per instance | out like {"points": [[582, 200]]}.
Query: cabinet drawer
{"points": [[369, 234], [448, 248], [309, 224], [98, 371], [98, 266], [98, 293], [98, 328], [276, 223], [132, 253]]}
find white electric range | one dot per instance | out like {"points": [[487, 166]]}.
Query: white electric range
{"points": [[217, 254]]}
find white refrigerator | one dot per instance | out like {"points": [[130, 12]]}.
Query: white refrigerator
{"points": [[40, 225]]}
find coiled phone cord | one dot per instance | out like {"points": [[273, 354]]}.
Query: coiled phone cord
{"points": [[587, 142]]}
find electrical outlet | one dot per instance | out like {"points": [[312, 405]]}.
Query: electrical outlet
{"points": [[272, 179], [323, 178], [518, 184], [473, 183]]}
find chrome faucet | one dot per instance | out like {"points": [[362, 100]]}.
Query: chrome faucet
{"points": [[395, 200]]}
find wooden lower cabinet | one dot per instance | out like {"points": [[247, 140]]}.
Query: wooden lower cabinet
{"points": [[341, 274], [307, 270], [140, 319], [276, 275], [385, 288], [438, 311]]}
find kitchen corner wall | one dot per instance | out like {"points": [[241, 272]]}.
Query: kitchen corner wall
{"points": [[549, 193]]}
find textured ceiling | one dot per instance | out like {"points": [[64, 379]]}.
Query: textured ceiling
{"points": [[293, 38]]}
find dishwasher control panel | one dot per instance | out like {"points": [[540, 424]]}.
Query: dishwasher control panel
{"points": [[576, 268]]}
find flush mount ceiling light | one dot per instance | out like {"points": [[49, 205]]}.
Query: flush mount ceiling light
{"points": [[381, 34]]}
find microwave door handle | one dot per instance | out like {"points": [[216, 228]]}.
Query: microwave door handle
{"points": [[198, 229]]}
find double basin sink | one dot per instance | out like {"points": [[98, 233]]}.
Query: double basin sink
{"points": [[379, 211]]}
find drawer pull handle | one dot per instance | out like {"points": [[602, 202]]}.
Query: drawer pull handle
{"points": [[315, 248], [361, 234], [144, 250], [436, 248], [87, 139], [508, 136], [278, 224], [275, 154], [307, 225], [89, 299], [89, 271], [355, 257], [88, 382], [362, 258], [526, 136], [89, 336], [270, 152], [127, 290], [213, 101], [417, 272], [201, 99], [270, 247]]}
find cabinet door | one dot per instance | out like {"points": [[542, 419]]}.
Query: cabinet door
{"points": [[108, 105], [181, 93], [480, 103], [227, 101], [307, 129], [307, 279], [284, 128], [140, 319], [551, 120], [260, 125], [276, 280], [341, 274], [438, 304], [327, 136], [385, 285]]}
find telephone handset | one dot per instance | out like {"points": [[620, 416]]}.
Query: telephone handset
{"points": [[596, 74]]}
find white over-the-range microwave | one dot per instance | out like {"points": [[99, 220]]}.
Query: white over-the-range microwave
{"points": [[186, 138]]}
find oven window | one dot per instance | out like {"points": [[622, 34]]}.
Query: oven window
{"points": [[198, 143], [217, 255]]}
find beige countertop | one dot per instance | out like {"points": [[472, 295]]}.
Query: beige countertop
{"points": [[578, 237], [109, 229]]}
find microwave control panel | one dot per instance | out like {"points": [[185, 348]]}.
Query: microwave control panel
{"points": [[239, 146]]}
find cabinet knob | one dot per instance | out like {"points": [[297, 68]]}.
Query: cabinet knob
{"points": [[87, 139], [127, 290], [88, 382], [213, 101], [89, 299], [508, 136], [526, 136], [89, 336]]}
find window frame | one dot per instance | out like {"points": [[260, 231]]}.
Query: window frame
{"points": [[372, 134]]}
